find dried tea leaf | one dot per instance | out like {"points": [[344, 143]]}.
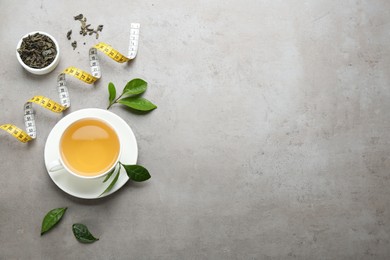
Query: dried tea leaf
{"points": [[68, 35], [74, 45], [78, 17]]}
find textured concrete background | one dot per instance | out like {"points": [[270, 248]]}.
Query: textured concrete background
{"points": [[271, 140]]}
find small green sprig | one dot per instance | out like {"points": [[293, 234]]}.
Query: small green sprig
{"points": [[130, 96], [136, 173]]}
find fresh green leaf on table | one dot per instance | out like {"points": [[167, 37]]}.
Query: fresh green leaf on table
{"points": [[82, 233], [135, 87], [51, 219], [112, 92], [138, 103], [137, 172]]}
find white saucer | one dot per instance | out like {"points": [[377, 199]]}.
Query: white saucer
{"points": [[84, 188]]}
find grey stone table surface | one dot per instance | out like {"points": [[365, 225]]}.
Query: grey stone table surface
{"points": [[271, 138]]}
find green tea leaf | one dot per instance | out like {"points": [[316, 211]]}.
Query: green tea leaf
{"points": [[137, 172], [112, 92], [51, 219], [109, 174], [112, 183], [82, 233], [137, 103], [135, 87]]}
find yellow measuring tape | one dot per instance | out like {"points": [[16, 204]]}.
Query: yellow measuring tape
{"points": [[29, 121]]}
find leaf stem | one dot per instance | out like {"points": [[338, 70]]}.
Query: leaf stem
{"points": [[115, 101]]}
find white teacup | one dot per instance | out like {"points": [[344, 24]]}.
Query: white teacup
{"points": [[89, 148]]}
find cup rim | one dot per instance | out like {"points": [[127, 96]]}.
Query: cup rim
{"points": [[43, 70], [95, 176]]}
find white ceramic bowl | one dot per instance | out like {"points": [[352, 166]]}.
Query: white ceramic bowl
{"points": [[46, 69]]}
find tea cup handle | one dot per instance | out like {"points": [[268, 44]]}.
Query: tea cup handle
{"points": [[55, 166]]}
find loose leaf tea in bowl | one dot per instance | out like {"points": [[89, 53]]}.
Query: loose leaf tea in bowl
{"points": [[37, 51]]}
